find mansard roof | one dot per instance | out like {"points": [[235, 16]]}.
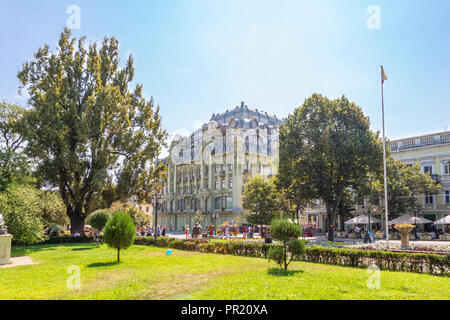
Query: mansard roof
{"points": [[244, 115]]}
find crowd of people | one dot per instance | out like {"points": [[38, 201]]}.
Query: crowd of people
{"points": [[148, 231]]}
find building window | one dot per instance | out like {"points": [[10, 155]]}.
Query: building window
{"points": [[428, 198], [428, 169], [218, 203], [447, 167], [246, 167], [224, 142], [230, 167], [181, 153], [447, 196], [217, 184], [230, 183], [247, 143], [147, 209], [229, 203], [223, 183], [257, 143], [217, 168], [259, 168]]}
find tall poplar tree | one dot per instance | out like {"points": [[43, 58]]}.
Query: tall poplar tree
{"points": [[85, 126]]}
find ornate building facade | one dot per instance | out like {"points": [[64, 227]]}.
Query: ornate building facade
{"points": [[432, 153], [208, 169]]}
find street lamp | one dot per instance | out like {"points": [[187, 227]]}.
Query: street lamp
{"points": [[156, 199]]}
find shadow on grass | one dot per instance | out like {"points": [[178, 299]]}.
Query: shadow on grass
{"points": [[20, 251], [82, 249], [103, 264], [283, 273]]}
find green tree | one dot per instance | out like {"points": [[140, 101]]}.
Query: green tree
{"points": [[292, 200], [119, 232], [99, 218], [52, 208], [22, 212], [139, 217], [261, 199], [405, 183], [14, 165], [327, 146], [288, 233], [85, 126]]}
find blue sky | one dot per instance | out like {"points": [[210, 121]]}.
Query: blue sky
{"points": [[198, 57]]}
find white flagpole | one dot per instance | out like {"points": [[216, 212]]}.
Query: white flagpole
{"points": [[384, 162]]}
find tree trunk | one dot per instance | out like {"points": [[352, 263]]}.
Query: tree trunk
{"points": [[76, 223], [285, 256], [330, 216], [118, 255]]}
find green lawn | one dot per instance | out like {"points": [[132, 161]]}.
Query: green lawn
{"points": [[147, 273]]}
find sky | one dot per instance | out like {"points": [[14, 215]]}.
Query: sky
{"points": [[199, 57]]}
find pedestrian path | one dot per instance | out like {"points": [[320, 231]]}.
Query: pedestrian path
{"points": [[18, 261]]}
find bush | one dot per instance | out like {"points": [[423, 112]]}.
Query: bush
{"points": [[99, 218], [276, 253], [120, 232], [297, 249], [22, 214], [288, 233]]}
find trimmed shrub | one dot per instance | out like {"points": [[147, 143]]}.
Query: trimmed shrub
{"points": [[276, 253], [120, 232], [288, 233], [99, 218]]}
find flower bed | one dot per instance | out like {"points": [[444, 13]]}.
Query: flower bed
{"points": [[415, 247]]}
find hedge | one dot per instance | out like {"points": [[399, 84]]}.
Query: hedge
{"points": [[69, 239], [385, 260]]}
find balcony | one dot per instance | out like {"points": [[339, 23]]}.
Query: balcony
{"points": [[423, 141]]}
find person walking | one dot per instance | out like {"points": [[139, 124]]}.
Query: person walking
{"points": [[227, 232], [186, 231], [244, 232]]}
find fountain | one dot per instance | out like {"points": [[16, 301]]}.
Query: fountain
{"points": [[404, 230]]}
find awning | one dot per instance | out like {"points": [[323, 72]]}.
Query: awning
{"points": [[407, 219], [444, 220], [362, 219]]}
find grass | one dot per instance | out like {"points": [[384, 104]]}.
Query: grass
{"points": [[147, 273]]}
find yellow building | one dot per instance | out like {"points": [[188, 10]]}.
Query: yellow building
{"points": [[432, 153]]}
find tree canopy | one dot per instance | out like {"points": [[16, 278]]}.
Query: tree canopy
{"points": [[85, 127], [260, 198], [14, 165], [405, 183], [326, 146]]}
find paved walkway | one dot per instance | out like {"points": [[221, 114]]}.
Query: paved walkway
{"points": [[18, 261]]}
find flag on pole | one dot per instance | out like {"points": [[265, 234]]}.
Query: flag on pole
{"points": [[383, 75]]}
